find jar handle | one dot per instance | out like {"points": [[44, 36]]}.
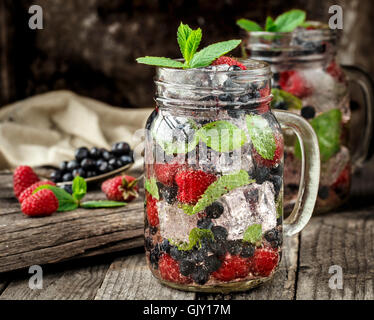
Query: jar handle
{"points": [[310, 171], [364, 81]]}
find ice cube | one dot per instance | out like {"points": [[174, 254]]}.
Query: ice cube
{"points": [[331, 170], [248, 205]]}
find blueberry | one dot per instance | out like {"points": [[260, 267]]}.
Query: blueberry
{"points": [[215, 210], [186, 267], [56, 176], [247, 251], [67, 177], [121, 148], [63, 165], [323, 192], [274, 237], [153, 230], [277, 183], [68, 188], [261, 174], [220, 233], [200, 276], [308, 112], [204, 223], [88, 163], [81, 153], [104, 167], [73, 164], [226, 97], [244, 98], [277, 171], [165, 246], [99, 162], [106, 154], [79, 172], [234, 68], [115, 163], [126, 159], [234, 247], [91, 173], [95, 153]]}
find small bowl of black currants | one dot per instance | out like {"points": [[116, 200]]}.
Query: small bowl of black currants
{"points": [[95, 164]]}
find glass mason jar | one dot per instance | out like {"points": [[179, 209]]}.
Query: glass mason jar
{"points": [[214, 178], [308, 81]]}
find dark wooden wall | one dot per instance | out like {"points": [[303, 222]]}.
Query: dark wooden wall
{"points": [[90, 46]]}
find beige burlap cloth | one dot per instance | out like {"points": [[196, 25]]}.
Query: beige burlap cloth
{"points": [[45, 129]]}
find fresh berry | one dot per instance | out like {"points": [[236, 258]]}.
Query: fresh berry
{"points": [[308, 112], [200, 276], [79, 172], [192, 184], [56, 176], [120, 188], [68, 188], [121, 148], [204, 223], [263, 262], [277, 154], [274, 237], [28, 192], [126, 159], [277, 183], [215, 210], [234, 247], [232, 267], [81, 153], [154, 256], [229, 61], [151, 208], [23, 178], [187, 267], [169, 270], [165, 172], [63, 165], [169, 194], [95, 153], [248, 250], [73, 164], [292, 82], [42, 203], [220, 233], [67, 177], [88, 164], [334, 70], [106, 154]]}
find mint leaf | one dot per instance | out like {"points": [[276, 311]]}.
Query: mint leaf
{"points": [[151, 186], [66, 202], [222, 136], [270, 25], [328, 130], [79, 188], [161, 62], [102, 204], [210, 53], [189, 41], [253, 234], [195, 237], [217, 189], [281, 96], [289, 20], [248, 25], [279, 206], [184, 31], [262, 136]]}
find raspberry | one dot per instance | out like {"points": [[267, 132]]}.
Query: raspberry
{"points": [[165, 172], [263, 262], [28, 192], [169, 270], [192, 184], [42, 203], [23, 177], [232, 267], [277, 154], [120, 188], [292, 82], [229, 61], [334, 70], [151, 208]]}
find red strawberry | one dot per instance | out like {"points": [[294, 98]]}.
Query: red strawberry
{"points": [[232, 267], [292, 82], [120, 188], [23, 177], [192, 184], [42, 203], [334, 70], [151, 208], [279, 146], [229, 61], [165, 172], [169, 270], [28, 192], [263, 262]]}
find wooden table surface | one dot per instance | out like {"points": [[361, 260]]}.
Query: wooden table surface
{"points": [[344, 238]]}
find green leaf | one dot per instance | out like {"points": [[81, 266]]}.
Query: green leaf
{"points": [[210, 53], [253, 234], [189, 41], [279, 206], [217, 189], [289, 20], [102, 204], [183, 33], [195, 237], [269, 25], [79, 188], [160, 62], [151, 186], [66, 202], [281, 96], [222, 136], [328, 130], [248, 25], [262, 136]]}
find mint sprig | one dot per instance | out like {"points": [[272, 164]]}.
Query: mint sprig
{"points": [[253, 234], [286, 22], [189, 41], [151, 186], [195, 237]]}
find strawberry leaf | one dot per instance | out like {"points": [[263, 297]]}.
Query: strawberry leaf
{"points": [[102, 204], [66, 202]]}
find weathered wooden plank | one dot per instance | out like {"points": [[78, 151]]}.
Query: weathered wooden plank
{"points": [[75, 283], [281, 287], [129, 278], [345, 239]]}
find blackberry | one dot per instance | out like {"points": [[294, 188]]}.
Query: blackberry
{"points": [[274, 237], [81, 153], [234, 113], [277, 183], [277, 171], [218, 248], [208, 98], [215, 210], [186, 267], [165, 246], [234, 247], [308, 112], [148, 243], [261, 174], [199, 256], [220, 233], [201, 276], [154, 256], [323, 192], [204, 223], [212, 263], [73, 164], [88, 163], [247, 251], [177, 254]]}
